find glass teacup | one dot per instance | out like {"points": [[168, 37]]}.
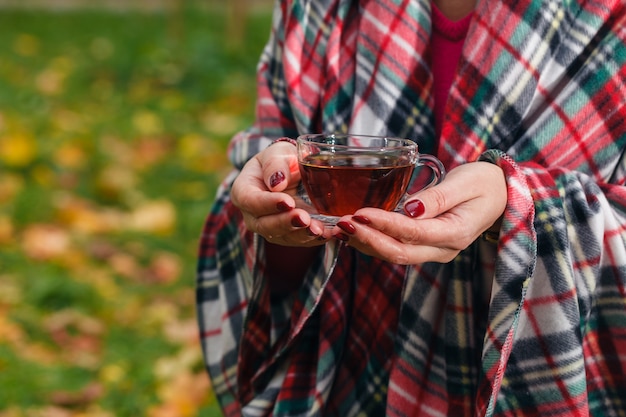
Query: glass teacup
{"points": [[342, 173]]}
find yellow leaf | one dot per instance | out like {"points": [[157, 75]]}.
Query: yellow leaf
{"points": [[80, 215], [182, 396], [102, 281], [11, 294], [220, 123], [202, 154], [167, 368], [154, 216], [113, 373], [115, 179], [147, 123], [17, 150], [191, 145], [69, 121], [26, 45]]}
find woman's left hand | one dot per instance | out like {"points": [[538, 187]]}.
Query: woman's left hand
{"points": [[440, 222]]}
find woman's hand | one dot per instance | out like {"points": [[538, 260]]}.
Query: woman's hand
{"points": [[264, 192], [440, 222]]}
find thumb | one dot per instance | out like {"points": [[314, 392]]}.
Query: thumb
{"points": [[279, 165], [428, 203]]}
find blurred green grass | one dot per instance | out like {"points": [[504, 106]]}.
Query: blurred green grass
{"points": [[113, 130]]}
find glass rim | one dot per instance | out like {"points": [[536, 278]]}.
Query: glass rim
{"points": [[401, 142]]}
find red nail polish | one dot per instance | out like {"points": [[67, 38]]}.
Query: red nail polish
{"points": [[346, 227], [342, 237], [276, 178], [414, 208], [297, 222], [361, 219], [283, 207]]}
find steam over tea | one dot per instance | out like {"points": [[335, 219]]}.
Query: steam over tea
{"points": [[341, 184]]}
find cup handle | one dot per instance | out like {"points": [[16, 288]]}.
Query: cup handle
{"points": [[439, 173], [432, 162]]}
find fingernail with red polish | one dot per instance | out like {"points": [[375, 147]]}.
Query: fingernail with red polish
{"points": [[414, 208], [276, 178], [341, 236], [297, 222], [361, 219], [283, 207], [346, 227]]}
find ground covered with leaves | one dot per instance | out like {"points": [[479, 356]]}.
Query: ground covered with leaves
{"points": [[113, 129]]}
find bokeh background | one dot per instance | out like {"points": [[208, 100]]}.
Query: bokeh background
{"points": [[114, 120]]}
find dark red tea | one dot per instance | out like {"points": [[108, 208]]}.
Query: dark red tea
{"points": [[339, 185]]}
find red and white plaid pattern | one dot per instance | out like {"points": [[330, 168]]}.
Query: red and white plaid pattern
{"points": [[540, 91]]}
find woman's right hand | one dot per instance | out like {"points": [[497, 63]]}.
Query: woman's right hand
{"points": [[264, 192]]}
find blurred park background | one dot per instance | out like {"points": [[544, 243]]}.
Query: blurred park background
{"points": [[114, 120]]}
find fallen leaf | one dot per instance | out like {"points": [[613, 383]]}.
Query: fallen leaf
{"points": [[11, 293], [164, 268], [154, 216], [17, 150], [126, 266], [182, 332], [147, 123], [82, 216], [149, 151], [169, 368], [77, 335], [114, 180], [11, 185], [182, 396], [220, 123], [45, 241], [50, 82], [113, 373], [69, 121], [26, 44], [9, 331], [7, 232], [70, 155]]}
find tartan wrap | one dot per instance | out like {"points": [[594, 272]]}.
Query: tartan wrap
{"points": [[534, 327]]}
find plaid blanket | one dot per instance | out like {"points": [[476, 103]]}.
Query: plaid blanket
{"points": [[535, 326]]}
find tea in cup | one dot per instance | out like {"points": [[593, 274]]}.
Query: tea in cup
{"points": [[342, 173]]}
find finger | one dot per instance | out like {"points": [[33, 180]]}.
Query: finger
{"points": [[295, 228], [438, 199], [373, 242], [462, 184], [251, 195], [279, 165], [447, 231]]}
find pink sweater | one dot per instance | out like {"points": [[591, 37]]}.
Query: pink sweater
{"points": [[446, 46]]}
